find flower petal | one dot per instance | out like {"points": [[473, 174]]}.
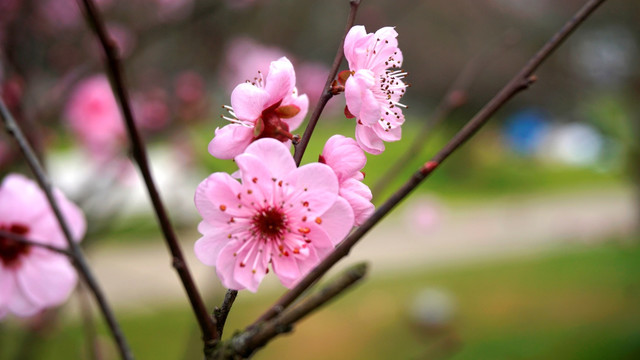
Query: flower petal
{"points": [[368, 140], [353, 36], [344, 156], [230, 141], [302, 102], [274, 155], [280, 81], [358, 195], [225, 266], [338, 220], [47, 281], [248, 101], [208, 247], [216, 199]]}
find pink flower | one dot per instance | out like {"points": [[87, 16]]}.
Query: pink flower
{"points": [[33, 278], [94, 117], [346, 159], [279, 214], [373, 90], [268, 107]]}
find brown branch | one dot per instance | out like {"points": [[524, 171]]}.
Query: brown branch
{"points": [[247, 343], [23, 240], [78, 258], [522, 80], [221, 313], [114, 69], [327, 94]]}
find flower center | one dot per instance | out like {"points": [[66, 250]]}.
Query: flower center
{"points": [[10, 250], [269, 224]]}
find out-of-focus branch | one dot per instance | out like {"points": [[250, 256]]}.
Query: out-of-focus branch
{"points": [[114, 69], [77, 255], [521, 81], [23, 240], [221, 313], [247, 343], [455, 97], [326, 92]]}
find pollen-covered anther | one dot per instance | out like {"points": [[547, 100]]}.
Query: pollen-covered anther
{"points": [[304, 230], [223, 207], [318, 221]]}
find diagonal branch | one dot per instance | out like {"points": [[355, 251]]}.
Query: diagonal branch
{"points": [[77, 255], [326, 93], [114, 69], [247, 343], [521, 81], [221, 313], [23, 240]]}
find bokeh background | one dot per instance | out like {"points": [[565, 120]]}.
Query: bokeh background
{"points": [[524, 244]]}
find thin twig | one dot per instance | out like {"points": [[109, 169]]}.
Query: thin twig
{"points": [[221, 313], [326, 92], [89, 326], [246, 343], [78, 257], [114, 69], [519, 82], [21, 239]]}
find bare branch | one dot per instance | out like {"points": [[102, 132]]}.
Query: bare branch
{"points": [[522, 80], [21, 239], [327, 94], [221, 313], [247, 343], [78, 257], [114, 69]]}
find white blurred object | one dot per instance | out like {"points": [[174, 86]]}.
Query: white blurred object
{"points": [[574, 144], [433, 307]]}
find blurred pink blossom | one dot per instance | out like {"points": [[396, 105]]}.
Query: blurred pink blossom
{"points": [[94, 117], [346, 159], [373, 90], [172, 10], [244, 58], [280, 214], [268, 107], [33, 278], [151, 110], [311, 79], [190, 92]]}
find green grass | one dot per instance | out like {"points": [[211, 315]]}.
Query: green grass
{"points": [[577, 302]]}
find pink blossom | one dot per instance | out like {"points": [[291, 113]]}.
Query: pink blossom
{"points": [[346, 159], [33, 278], [373, 90], [244, 57], [269, 107], [279, 214], [94, 117]]}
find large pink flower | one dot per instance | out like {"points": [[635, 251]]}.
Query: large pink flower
{"points": [[346, 159], [373, 90], [94, 117], [33, 278], [266, 108], [279, 214]]}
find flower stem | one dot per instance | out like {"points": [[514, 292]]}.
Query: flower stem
{"points": [[327, 92]]}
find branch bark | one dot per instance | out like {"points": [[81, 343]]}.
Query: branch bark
{"points": [[326, 93], [114, 69]]}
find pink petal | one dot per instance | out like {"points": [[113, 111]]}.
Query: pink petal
{"points": [[301, 102], [368, 140], [338, 220], [359, 197], [208, 247], [230, 141], [7, 286], [287, 269], [248, 101], [225, 266], [389, 136], [47, 281], [355, 33], [216, 199], [20, 305], [352, 95], [280, 81], [249, 268], [344, 156], [315, 177], [274, 155], [257, 180]]}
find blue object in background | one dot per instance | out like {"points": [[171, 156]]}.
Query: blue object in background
{"points": [[525, 130]]}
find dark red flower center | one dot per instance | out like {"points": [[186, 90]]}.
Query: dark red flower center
{"points": [[10, 250], [270, 124], [270, 223]]}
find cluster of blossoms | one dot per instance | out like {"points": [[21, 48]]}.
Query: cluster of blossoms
{"points": [[33, 278], [279, 215]]}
